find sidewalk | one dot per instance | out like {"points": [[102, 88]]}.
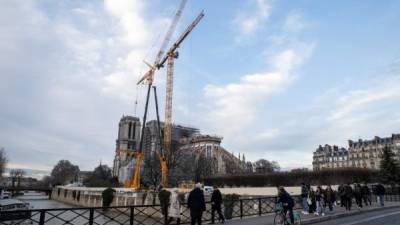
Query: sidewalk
{"points": [[311, 218]]}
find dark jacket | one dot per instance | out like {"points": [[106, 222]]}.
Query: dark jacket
{"points": [[304, 191], [196, 202], [380, 189], [286, 199], [348, 191], [164, 196], [216, 197], [365, 191], [330, 195]]}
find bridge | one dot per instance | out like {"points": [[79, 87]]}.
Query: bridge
{"points": [[245, 211], [14, 190]]}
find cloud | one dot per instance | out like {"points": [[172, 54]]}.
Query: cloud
{"points": [[238, 103], [295, 22], [247, 23], [67, 77], [267, 134]]}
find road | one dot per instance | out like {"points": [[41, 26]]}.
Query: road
{"points": [[383, 217]]}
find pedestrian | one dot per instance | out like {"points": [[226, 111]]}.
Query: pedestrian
{"points": [[174, 210], [341, 195], [287, 203], [380, 193], [216, 201], [311, 200], [196, 204], [330, 197], [319, 199], [358, 195], [164, 197], [304, 197], [366, 194], [348, 195]]}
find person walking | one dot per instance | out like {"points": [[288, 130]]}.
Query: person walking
{"points": [[330, 197], [380, 193], [319, 199], [287, 202], [174, 210], [348, 195], [366, 194], [216, 201], [358, 195], [341, 195], [196, 204], [311, 200], [164, 197], [304, 197]]}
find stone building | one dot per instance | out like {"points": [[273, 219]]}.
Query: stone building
{"points": [[330, 157], [368, 153], [208, 148], [128, 141], [185, 140], [360, 154]]}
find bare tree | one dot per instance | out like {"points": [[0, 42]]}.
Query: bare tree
{"points": [[16, 176], [265, 166], [64, 172], [3, 161]]}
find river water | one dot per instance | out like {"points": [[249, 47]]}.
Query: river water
{"points": [[41, 201]]}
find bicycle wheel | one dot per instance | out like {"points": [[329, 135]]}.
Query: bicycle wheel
{"points": [[297, 218], [279, 219]]}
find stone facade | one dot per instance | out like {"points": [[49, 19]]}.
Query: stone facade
{"points": [[360, 154], [128, 141]]}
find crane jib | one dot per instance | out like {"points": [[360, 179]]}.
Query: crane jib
{"points": [[181, 38]]}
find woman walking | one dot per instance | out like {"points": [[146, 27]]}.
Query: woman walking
{"points": [[319, 198], [174, 211]]}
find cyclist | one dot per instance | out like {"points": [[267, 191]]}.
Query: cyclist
{"points": [[287, 202]]}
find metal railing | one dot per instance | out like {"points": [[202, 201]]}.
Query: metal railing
{"points": [[139, 214]]}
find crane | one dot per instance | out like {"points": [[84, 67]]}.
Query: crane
{"points": [[171, 55], [149, 77]]}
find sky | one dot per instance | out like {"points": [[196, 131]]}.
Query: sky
{"points": [[275, 78]]}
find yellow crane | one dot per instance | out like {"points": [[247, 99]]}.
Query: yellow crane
{"points": [[134, 182], [170, 56]]}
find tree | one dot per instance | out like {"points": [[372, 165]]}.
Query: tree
{"points": [[16, 175], [3, 161], [389, 169], [101, 177], [64, 172], [265, 166]]}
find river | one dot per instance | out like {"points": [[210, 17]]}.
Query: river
{"points": [[39, 200]]}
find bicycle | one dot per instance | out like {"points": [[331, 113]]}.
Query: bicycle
{"points": [[282, 219]]}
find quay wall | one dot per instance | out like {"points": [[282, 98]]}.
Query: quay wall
{"points": [[91, 197]]}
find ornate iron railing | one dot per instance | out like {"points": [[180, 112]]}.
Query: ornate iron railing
{"points": [[138, 214]]}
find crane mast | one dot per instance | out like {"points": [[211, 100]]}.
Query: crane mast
{"points": [[170, 57]]}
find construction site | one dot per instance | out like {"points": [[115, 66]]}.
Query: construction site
{"points": [[157, 150]]}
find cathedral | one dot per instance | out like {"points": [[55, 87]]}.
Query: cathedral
{"points": [[205, 149]]}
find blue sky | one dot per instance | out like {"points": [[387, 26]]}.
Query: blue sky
{"points": [[275, 78]]}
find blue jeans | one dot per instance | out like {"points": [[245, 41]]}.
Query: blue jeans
{"points": [[305, 204], [320, 207], [381, 199]]}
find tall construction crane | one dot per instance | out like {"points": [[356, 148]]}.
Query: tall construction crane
{"points": [[149, 77], [170, 56]]}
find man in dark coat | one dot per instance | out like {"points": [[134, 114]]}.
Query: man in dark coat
{"points": [[196, 204], [287, 202], [348, 195], [380, 192], [366, 194], [164, 196], [216, 201]]}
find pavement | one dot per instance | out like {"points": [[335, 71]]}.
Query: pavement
{"points": [[330, 218]]}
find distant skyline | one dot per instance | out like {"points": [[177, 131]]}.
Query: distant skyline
{"points": [[275, 78]]}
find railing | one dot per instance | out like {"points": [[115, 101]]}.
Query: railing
{"points": [[138, 214]]}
